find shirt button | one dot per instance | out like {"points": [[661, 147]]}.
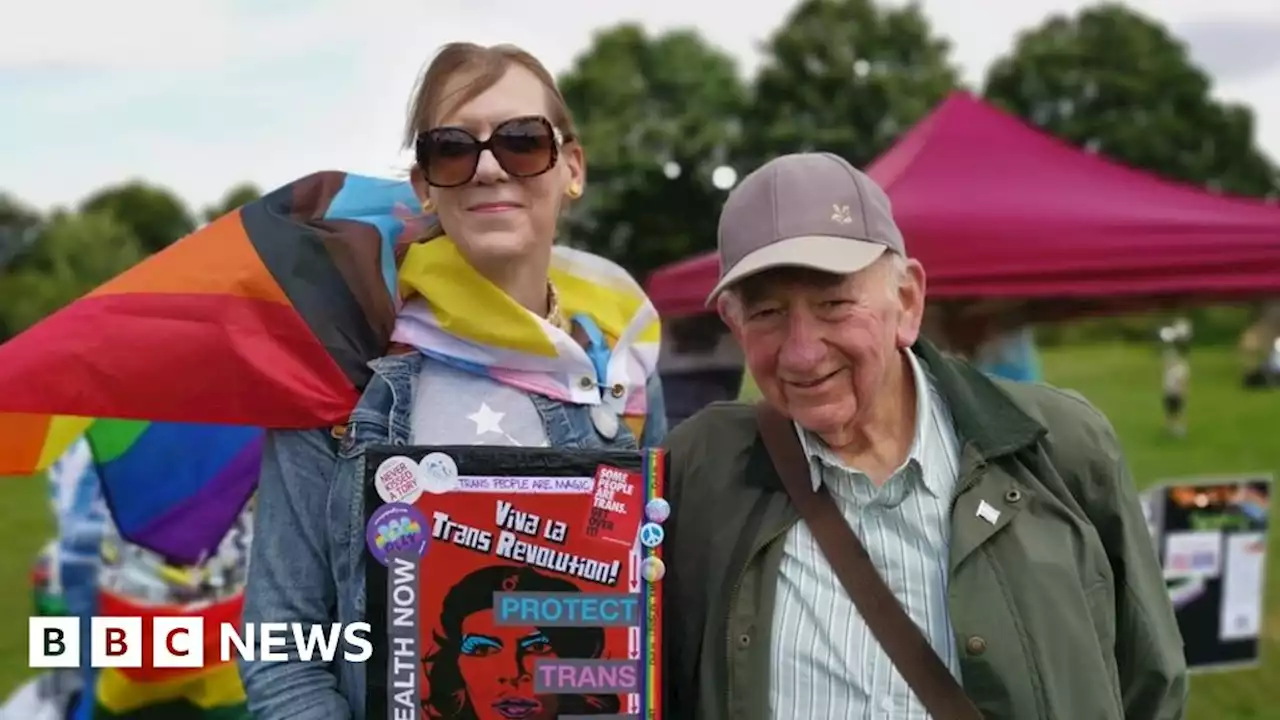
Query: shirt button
{"points": [[976, 645], [585, 383], [618, 391], [744, 641]]}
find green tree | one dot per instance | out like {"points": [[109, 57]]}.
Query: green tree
{"points": [[71, 255], [234, 199], [847, 77], [657, 115], [153, 214], [1116, 82], [18, 225]]}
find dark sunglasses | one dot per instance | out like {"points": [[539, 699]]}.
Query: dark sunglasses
{"points": [[524, 147]]}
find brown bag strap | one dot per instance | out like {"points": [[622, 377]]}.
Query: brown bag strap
{"points": [[900, 637]]}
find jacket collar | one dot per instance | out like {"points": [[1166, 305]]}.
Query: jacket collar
{"points": [[984, 414]]}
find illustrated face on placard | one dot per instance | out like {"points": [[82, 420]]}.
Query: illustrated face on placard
{"points": [[496, 664], [483, 670]]}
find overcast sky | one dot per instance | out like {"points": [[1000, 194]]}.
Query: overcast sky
{"points": [[201, 94]]}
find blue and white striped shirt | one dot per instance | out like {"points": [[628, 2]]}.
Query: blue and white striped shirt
{"points": [[826, 665]]}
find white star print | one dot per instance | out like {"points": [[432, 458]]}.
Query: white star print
{"points": [[486, 420]]}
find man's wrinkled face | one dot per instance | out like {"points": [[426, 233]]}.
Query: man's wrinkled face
{"points": [[820, 346]]}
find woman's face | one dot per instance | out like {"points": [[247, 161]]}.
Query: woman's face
{"points": [[495, 218], [497, 664]]}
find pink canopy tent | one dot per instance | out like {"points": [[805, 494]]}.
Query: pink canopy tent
{"points": [[996, 209]]}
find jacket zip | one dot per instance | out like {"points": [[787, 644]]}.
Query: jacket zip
{"points": [[733, 600]]}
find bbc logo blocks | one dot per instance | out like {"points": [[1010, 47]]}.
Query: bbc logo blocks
{"points": [[175, 642], [53, 642]]}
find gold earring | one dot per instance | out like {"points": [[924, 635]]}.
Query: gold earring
{"points": [[574, 191], [428, 206]]}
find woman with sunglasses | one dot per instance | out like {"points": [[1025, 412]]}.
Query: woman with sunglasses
{"points": [[498, 343]]}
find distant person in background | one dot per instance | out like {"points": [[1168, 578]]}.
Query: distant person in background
{"points": [[1260, 356], [1177, 376], [1011, 355], [1272, 364]]}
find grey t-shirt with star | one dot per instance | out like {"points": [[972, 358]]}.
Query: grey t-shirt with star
{"points": [[455, 407]]}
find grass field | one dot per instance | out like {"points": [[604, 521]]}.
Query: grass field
{"points": [[25, 526], [1231, 431]]}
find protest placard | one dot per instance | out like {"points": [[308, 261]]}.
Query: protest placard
{"points": [[519, 582]]}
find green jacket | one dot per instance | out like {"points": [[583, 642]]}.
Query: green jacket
{"points": [[1059, 608]]}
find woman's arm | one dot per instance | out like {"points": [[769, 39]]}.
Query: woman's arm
{"points": [[290, 579], [655, 424]]}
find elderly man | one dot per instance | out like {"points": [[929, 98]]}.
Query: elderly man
{"points": [[1001, 517]]}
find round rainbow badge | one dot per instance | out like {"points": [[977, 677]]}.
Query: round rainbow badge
{"points": [[396, 527]]}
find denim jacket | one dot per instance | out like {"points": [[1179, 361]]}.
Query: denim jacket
{"points": [[307, 558]]}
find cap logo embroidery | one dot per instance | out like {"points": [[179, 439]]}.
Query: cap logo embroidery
{"points": [[841, 214]]}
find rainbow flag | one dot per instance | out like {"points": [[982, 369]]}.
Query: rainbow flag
{"points": [[212, 692], [266, 317], [175, 488]]}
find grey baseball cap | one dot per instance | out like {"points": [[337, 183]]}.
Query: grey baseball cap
{"points": [[811, 210]]}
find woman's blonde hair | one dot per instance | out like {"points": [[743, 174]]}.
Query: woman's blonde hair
{"points": [[485, 66]]}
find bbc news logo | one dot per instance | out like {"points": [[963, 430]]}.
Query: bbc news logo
{"points": [[179, 642]]}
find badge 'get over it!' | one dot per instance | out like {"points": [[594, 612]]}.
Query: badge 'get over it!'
{"points": [[610, 519]]}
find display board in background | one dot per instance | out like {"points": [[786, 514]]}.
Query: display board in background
{"points": [[1211, 536]]}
